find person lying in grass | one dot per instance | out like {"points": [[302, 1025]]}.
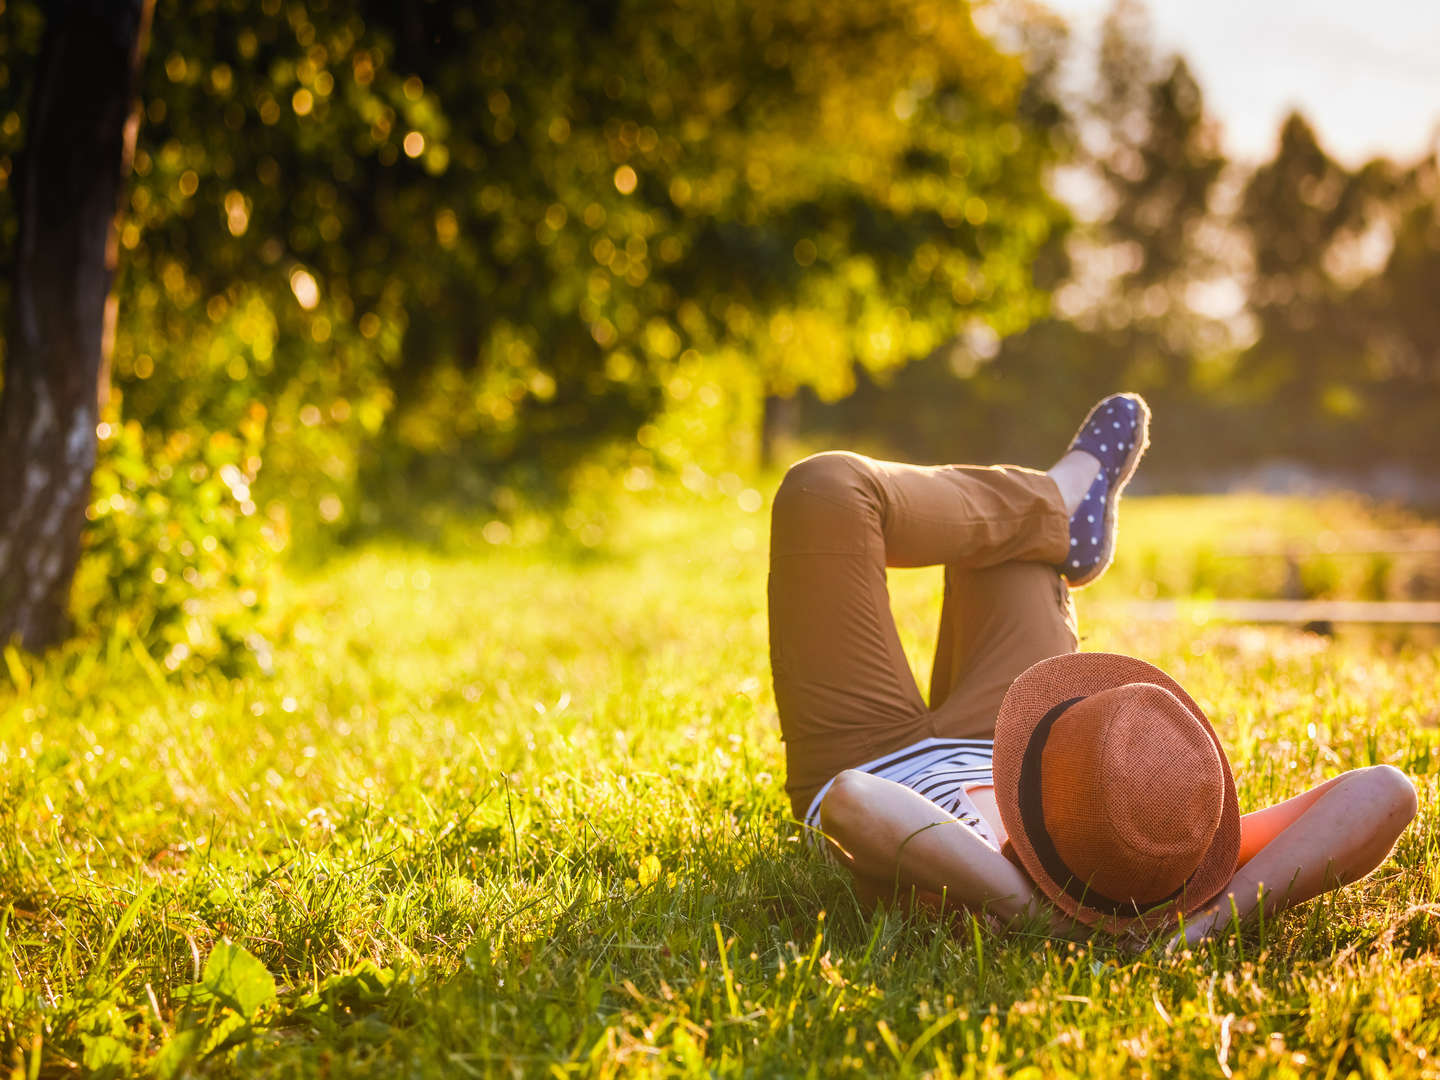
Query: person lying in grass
{"points": [[1086, 789]]}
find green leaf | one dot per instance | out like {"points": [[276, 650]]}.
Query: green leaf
{"points": [[104, 1055], [238, 979]]}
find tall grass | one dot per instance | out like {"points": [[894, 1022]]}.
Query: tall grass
{"points": [[507, 810]]}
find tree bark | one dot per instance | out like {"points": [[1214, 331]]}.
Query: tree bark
{"points": [[68, 183], [778, 420]]}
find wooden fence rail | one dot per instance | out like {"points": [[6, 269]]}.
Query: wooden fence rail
{"points": [[1294, 612]]}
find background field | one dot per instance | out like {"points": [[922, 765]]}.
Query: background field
{"points": [[510, 809]]}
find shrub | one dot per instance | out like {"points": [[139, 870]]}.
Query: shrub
{"points": [[177, 555]]}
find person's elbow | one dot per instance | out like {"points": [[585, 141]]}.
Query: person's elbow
{"points": [[845, 805], [1393, 794]]}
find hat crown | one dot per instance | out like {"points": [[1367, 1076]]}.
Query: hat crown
{"points": [[1132, 789], [1097, 869]]}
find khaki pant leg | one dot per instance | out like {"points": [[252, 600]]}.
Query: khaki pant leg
{"points": [[995, 623], [843, 687], [842, 684]]}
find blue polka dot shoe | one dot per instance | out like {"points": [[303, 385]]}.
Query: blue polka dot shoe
{"points": [[1116, 433]]}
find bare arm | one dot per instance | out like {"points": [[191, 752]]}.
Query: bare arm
{"points": [[891, 835], [1261, 826], [1332, 835]]}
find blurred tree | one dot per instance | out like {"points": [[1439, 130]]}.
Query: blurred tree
{"points": [[1403, 354], [1149, 157], [1330, 358], [1401, 298], [1344, 275], [1304, 214], [79, 137], [453, 247], [491, 237], [1156, 154]]}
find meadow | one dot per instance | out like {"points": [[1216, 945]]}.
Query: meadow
{"points": [[516, 809]]}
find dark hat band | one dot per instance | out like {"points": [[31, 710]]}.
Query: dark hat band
{"points": [[1032, 816]]}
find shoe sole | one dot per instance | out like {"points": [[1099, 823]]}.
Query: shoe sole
{"points": [[1112, 500]]}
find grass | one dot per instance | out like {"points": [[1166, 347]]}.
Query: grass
{"points": [[507, 810]]}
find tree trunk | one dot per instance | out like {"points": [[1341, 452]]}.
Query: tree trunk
{"points": [[778, 421], [68, 184]]}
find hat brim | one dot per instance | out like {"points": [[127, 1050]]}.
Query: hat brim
{"points": [[1033, 694]]}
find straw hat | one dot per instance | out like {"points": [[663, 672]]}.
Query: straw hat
{"points": [[1117, 796]]}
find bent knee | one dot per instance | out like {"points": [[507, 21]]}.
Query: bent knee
{"points": [[837, 475], [830, 501]]}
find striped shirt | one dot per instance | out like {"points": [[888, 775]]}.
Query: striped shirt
{"points": [[941, 770]]}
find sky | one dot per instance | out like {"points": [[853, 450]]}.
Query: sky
{"points": [[1365, 72]]}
